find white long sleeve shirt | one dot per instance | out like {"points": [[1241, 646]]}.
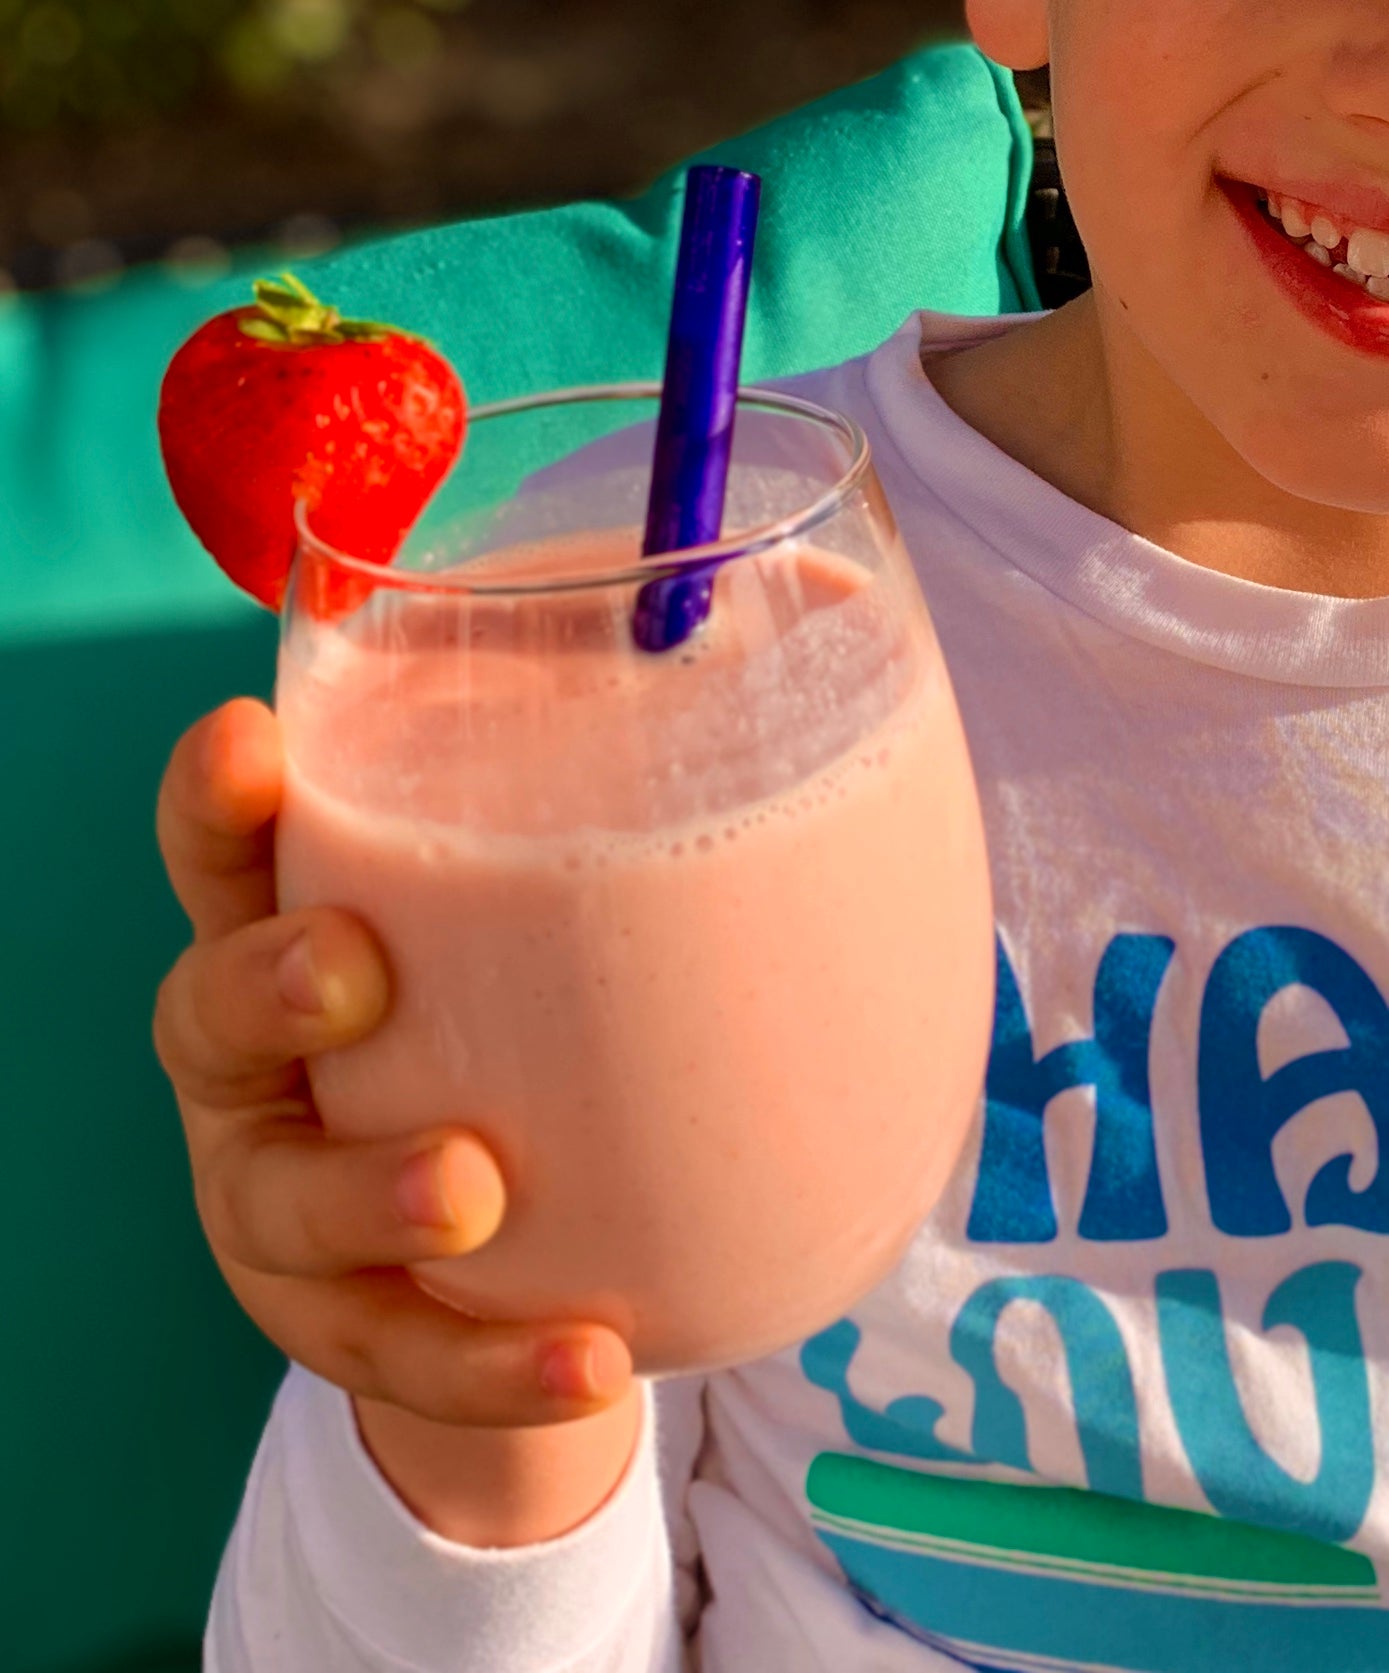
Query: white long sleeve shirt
{"points": [[1122, 1406]]}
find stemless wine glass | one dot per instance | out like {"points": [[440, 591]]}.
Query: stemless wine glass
{"points": [[699, 943]]}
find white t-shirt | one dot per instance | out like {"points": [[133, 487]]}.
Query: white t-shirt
{"points": [[1156, 1275]]}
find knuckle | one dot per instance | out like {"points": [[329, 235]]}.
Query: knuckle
{"points": [[169, 786], [279, 1177], [255, 1203], [238, 1200], [178, 788], [220, 1210], [207, 999], [230, 1013], [166, 1027], [316, 1226]]}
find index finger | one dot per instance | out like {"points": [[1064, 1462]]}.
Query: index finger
{"points": [[216, 818]]}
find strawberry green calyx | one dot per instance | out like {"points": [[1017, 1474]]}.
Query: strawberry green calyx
{"points": [[291, 316]]}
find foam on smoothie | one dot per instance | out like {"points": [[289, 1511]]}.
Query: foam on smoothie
{"points": [[489, 718]]}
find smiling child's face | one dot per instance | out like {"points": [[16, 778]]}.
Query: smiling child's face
{"points": [[1169, 115]]}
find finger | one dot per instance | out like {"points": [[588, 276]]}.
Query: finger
{"points": [[380, 1337], [235, 1016], [281, 1197], [216, 814]]}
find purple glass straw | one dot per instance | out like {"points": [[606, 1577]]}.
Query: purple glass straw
{"points": [[694, 438]]}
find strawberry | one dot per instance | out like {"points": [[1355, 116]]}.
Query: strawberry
{"points": [[287, 400]]}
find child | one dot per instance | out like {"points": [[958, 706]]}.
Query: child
{"points": [[1152, 531]]}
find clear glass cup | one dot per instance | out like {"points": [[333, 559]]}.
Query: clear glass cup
{"points": [[700, 943]]}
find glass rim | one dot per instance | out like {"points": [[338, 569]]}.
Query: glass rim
{"points": [[747, 544]]}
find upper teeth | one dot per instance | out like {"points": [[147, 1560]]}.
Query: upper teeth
{"points": [[1326, 232], [1291, 214], [1366, 259]]}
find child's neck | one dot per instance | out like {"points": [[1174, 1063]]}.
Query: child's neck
{"points": [[1087, 409]]}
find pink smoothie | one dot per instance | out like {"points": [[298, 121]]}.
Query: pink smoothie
{"points": [[700, 944]]}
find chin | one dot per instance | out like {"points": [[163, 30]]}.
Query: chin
{"points": [[1345, 469]]}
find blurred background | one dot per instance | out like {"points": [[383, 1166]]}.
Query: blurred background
{"points": [[153, 129]]}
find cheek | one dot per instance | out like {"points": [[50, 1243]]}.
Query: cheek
{"points": [[1133, 84]]}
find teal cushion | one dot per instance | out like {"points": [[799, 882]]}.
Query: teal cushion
{"points": [[135, 1390], [906, 191]]}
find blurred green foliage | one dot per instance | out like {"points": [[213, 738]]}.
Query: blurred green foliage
{"points": [[100, 62]]}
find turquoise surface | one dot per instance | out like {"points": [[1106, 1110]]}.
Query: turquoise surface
{"points": [[134, 1390]]}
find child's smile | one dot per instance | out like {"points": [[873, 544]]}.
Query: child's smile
{"points": [[1188, 397], [1335, 270]]}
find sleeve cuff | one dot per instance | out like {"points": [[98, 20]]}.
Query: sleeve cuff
{"points": [[431, 1603]]}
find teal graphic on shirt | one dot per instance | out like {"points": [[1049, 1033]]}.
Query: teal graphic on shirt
{"points": [[1022, 1577]]}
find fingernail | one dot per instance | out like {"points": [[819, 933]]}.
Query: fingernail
{"points": [[584, 1369], [420, 1193], [473, 1188], [297, 978]]}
